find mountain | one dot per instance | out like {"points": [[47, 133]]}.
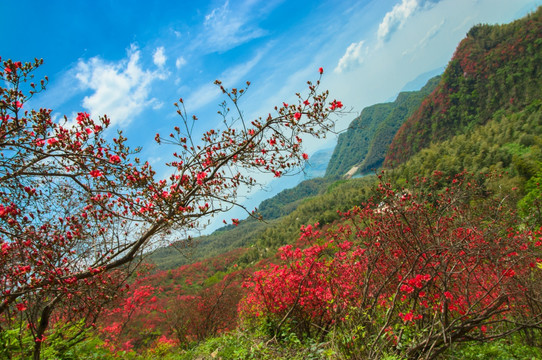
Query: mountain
{"points": [[317, 164], [495, 68], [483, 169], [422, 79], [363, 146]]}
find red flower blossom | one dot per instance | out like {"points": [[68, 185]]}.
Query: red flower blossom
{"points": [[96, 173], [336, 105], [201, 176], [114, 159]]}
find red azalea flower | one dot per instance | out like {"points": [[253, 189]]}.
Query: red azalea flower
{"points": [[96, 173]]}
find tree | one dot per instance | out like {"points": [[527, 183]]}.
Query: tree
{"points": [[77, 209]]}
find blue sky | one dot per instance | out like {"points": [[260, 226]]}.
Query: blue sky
{"points": [[133, 59]]}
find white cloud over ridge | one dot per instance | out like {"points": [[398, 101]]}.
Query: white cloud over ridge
{"points": [[120, 90], [353, 56], [396, 18]]}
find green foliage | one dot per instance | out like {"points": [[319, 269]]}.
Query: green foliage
{"points": [[13, 344], [530, 206], [207, 246], [67, 342], [215, 279], [512, 348], [228, 346], [495, 146], [254, 343], [90, 348]]}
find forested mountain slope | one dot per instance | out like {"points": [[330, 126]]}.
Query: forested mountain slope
{"points": [[495, 68], [368, 137]]}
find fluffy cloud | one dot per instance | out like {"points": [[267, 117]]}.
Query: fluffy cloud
{"points": [[352, 57], [120, 90], [180, 62], [396, 18], [159, 58]]}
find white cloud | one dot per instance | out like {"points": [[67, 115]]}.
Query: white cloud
{"points": [[159, 58], [180, 62], [120, 90], [352, 57], [217, 13], [156, 105], [226, 27], [396, 18], [431, 33]]}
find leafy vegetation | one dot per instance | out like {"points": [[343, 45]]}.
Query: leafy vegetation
{"points": [[287, 200]]}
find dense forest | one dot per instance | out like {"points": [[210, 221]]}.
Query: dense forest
{"points": [[495, 68], [436, 255]]}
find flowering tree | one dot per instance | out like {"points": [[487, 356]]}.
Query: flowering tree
{"points": [[75, 207], [411, 273]]}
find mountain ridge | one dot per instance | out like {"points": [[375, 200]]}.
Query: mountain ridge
{"points": [[495, 68], [368, 136]]}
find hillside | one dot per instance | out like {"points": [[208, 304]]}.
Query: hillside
{"points": [[438, 258], [315, 200], [510, 144], [368, 137], [495, 68]]}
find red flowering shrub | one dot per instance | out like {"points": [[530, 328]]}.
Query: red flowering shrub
{"points": [[147, 313], [411, 272], [209, 312]]}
